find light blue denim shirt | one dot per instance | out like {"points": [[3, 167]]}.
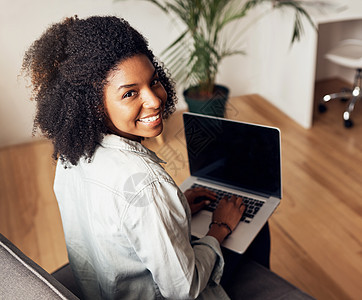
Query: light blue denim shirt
{"points": [[127, 228]]}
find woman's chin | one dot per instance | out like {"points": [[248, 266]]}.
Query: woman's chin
{"points": [[156, 131], [159, 132]]}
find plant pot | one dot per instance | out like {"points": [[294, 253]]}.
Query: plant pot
{"points": [[212, 106]]}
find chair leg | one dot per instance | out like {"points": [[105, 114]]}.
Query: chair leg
{"points": [[344, 95], [346, 90], [330, 97], [353, 95], [350, 107]]}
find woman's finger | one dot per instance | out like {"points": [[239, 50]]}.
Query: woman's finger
{"points": [[206, 192], [242, 208], [232, 198], [239, 201]]}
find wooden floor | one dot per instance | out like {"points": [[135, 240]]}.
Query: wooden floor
{"points": [[316, 231]]}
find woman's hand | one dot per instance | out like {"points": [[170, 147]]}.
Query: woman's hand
{"points": [[198, 198], [229, 212]]}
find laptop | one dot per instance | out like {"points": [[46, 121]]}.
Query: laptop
{"points": [[232, 157]]}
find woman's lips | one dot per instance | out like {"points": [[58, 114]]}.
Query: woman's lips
{"points": [[150, 119]]}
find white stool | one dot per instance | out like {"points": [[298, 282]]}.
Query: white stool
{"points": [[348, 53]]}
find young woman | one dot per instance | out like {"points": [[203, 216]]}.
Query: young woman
{"points": [[99, 92]]}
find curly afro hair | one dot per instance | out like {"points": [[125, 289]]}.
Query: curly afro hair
{"points": [[68, 66]]}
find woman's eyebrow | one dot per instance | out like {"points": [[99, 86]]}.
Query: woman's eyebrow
{"points": [[126, 86]]}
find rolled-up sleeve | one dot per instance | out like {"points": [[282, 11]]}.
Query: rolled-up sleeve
{"points": [[156, 224], [199, 247]]}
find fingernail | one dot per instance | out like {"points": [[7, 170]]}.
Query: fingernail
{"points": [[207, 202]]}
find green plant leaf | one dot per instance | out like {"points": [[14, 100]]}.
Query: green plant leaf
{"points": [[195, 55]]}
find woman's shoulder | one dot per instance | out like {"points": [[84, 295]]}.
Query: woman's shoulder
{"points": [[126, 161]]}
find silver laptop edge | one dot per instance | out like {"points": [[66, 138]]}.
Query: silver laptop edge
{"points": [[245, 232]]}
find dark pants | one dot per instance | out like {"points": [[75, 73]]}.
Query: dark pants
{"points": [[258, 251], [248, 276]]}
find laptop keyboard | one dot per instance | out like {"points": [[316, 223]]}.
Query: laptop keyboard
{"points": [[252, 205]]}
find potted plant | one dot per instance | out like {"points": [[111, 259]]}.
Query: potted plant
{"points": [[194, 57]]}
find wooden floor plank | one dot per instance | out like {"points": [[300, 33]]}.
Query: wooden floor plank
{"points": [[28, 208], [316, 231]]}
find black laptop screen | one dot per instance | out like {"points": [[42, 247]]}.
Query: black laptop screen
{"points": [[237, 154]]}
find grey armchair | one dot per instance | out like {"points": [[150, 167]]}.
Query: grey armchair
{"points": [[21, 278]]}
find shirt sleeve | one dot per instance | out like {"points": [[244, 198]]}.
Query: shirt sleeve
{"points": [[157, 226]]}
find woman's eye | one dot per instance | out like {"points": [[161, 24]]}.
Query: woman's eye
{"points": [[129, 94], [155, 81]]}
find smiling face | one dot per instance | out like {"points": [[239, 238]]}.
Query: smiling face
{"points": [[134, 99]]}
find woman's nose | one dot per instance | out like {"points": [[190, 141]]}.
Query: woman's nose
{"points": [[151, 100]]}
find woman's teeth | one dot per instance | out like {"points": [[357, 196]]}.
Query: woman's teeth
{"points": [[150, 119]]}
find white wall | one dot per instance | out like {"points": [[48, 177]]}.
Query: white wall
{"points": [[23, 21], [330, 34], [287, 74], [287, 71]]}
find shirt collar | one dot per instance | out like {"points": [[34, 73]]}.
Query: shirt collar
{"points": [[117, 142]]}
